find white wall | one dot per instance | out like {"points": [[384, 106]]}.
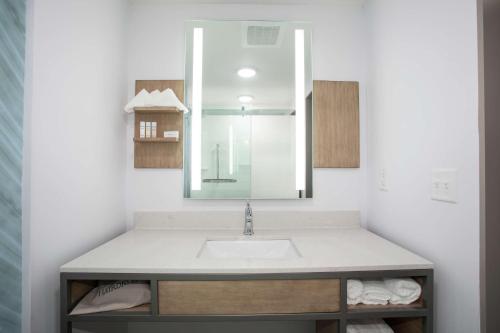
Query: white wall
{"points": [[156, 51], [423, 97], [273, 157], [76, 144]]}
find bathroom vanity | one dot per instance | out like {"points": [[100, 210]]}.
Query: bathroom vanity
{"points": [[254, 117], [200, 267]]}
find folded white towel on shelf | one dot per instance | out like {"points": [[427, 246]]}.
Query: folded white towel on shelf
{"points": [[168, 97], [369, 326], [354, 291], [375, 292], [155, 98], [139, 100], [404, 291]]}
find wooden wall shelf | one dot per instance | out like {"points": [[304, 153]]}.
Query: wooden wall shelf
{"points": [[156, 109], [153, 152], [156, 140]]}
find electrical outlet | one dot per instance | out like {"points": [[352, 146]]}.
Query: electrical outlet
{"points": [[382, 180], [444, 185]]}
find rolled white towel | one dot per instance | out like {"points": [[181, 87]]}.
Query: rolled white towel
{"points": [[375, 292], [404, 291], [354, 301], [369, 326], [354, 291]]}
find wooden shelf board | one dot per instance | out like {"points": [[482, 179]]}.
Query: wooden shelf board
{"points": [[156, 140], [156, 109], [364, 307], [144, 309]]}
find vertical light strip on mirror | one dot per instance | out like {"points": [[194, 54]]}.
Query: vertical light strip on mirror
{"points": [[300, 112], [231, 149], [196, 109]]}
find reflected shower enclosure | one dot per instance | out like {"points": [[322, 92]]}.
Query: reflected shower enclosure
{"points": [[249, 94]]}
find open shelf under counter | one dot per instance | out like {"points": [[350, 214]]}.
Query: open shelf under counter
{"points": [[141, 313], [141, 310], [419, 304]]}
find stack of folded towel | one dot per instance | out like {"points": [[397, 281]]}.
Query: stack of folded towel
{"points": [[381, 292], [404, 291], [354, 292], [369, 326], [375, 292], [156, 98]]}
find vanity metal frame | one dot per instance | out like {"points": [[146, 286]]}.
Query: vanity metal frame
{"points": [[343, 316]]}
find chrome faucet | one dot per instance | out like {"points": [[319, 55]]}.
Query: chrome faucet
{"points": [[248, 230]]}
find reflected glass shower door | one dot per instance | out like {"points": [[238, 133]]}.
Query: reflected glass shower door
{"points": [[226, 157]]}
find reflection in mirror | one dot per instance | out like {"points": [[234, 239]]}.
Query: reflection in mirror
{"points": [[249, 92]]}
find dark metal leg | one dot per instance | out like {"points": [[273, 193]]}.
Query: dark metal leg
{"points": [[66, 326], [154, 297], [343, 305], [342, 325], [429, 302]]}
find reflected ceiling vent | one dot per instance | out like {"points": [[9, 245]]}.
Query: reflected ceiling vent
{"points": [[262, 34]]}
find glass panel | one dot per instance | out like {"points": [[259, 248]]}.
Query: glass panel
{"points": [[12, 38]]}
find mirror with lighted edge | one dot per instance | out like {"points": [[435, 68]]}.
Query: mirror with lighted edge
{"points": [[248, 87]]}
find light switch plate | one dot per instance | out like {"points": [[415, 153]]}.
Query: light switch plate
{"points": [[382, 180], [444, 185]]}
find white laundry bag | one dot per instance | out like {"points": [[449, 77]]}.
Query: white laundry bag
{"points": [[114, 296]]}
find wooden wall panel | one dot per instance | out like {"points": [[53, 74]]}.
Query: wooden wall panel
{"points": [[336, 124], [248, 297], [160, 154]]}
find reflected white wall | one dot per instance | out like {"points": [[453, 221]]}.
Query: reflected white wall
{"points": [[273, 157]]}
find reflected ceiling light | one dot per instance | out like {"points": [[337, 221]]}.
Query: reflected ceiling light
{"points": [[247, 72], [196, 107], [300, 112], [245, 99]]}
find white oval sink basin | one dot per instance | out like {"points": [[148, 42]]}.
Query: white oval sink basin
{"points": [[249, 249]]}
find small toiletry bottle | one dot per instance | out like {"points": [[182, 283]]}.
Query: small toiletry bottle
{"points": [[142, 129], [148, 129], [171, 135], [153, 129]]}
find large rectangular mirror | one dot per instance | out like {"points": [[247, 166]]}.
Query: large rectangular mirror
{"points": [[249, 93]]}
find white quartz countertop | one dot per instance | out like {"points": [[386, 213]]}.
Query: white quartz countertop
{"points": [[176, 251]]}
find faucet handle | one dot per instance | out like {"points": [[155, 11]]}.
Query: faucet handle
{"points": [[249, 209]]}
